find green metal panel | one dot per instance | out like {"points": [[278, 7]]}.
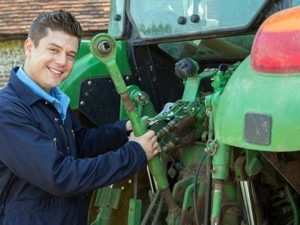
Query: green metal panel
{"points": [[135, 212], [103, 217], [220, 162], [251, 92], [87, 66]]}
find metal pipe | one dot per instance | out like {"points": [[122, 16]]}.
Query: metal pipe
{"points": [[250, 203], [158, 211], [217, 199], [246, 200], [150, 208], [293, 204], [220, 173], [103, 47]]}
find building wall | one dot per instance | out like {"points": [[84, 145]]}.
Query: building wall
{"points": [[11, 55]]}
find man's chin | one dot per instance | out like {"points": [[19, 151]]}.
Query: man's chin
{"points": [[50, 86]]}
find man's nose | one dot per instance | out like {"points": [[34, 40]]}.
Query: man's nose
{"points": [[61, 59]]}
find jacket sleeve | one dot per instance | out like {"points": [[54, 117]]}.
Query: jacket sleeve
{"points": [[91, 142], [31, 156]]}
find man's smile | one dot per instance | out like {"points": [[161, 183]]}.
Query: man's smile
{"points": [[55, 72]]}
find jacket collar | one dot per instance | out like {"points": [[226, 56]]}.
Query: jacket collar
{"points": [[23, 91]]}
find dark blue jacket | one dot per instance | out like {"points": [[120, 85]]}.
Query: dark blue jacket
{"points": [[46, 165]]}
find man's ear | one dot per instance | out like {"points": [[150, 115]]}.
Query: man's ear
{"points": [[28, 46]]}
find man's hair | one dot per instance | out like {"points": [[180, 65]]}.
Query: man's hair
{"points": [[58, 20]]}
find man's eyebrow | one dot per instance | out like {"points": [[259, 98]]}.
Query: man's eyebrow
{"points": [[57, 46]]}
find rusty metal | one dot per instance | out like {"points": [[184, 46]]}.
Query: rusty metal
{"points": [[181, 141], [239, 167], [287, 164], [177, 126], [172, 206], [129, 106], [185, 123]]}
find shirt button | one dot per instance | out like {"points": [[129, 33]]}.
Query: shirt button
{"points": [[56, 119], [46, 102]]}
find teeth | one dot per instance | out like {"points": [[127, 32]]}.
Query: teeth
{"points": [[55, 71]]}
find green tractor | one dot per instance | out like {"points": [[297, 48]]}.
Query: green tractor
{"points": [[217, 81]]}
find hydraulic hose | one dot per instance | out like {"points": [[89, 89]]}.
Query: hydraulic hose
{"points": [[196, 189], [150, 208]]}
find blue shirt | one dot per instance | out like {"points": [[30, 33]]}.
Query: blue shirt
{"points": [[56, 97]]}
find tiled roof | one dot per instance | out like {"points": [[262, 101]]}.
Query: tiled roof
{"points": [[17, 15]]}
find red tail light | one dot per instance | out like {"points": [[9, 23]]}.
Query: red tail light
{"points": [[276, 47]]}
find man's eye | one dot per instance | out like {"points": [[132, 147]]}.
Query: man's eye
{"points": [[71, 57], [53, 50]]}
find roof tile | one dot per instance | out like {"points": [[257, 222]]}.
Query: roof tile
{"points": [[17, 15]]}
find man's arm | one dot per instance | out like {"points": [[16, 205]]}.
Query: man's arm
{"points": [[94, 141], [31, 156]]}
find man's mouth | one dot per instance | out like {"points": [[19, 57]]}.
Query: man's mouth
{"points": [[55, 71]]}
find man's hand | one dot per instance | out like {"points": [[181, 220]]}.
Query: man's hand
{"points": [[128, 126], [149, 143]]}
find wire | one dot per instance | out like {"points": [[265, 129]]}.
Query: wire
{"points": [[208, 190], [196, 188]]}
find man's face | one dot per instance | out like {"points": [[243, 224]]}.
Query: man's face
{"points": [[49, 63]]}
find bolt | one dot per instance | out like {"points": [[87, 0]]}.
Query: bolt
{"points": [[141, 97], [195, 18], [117, 17], [122, 188], [181, 20], [82, 103], [89, 83], [129, 181], [104, 47]]}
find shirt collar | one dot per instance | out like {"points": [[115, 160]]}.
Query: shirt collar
{"points": [[23, 91], [56, 97]]}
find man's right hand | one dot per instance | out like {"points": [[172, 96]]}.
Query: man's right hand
{"points": [[149, 143]]}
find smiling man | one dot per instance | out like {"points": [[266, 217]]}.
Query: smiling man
{"points": [[50, 61], [48, 161]]}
